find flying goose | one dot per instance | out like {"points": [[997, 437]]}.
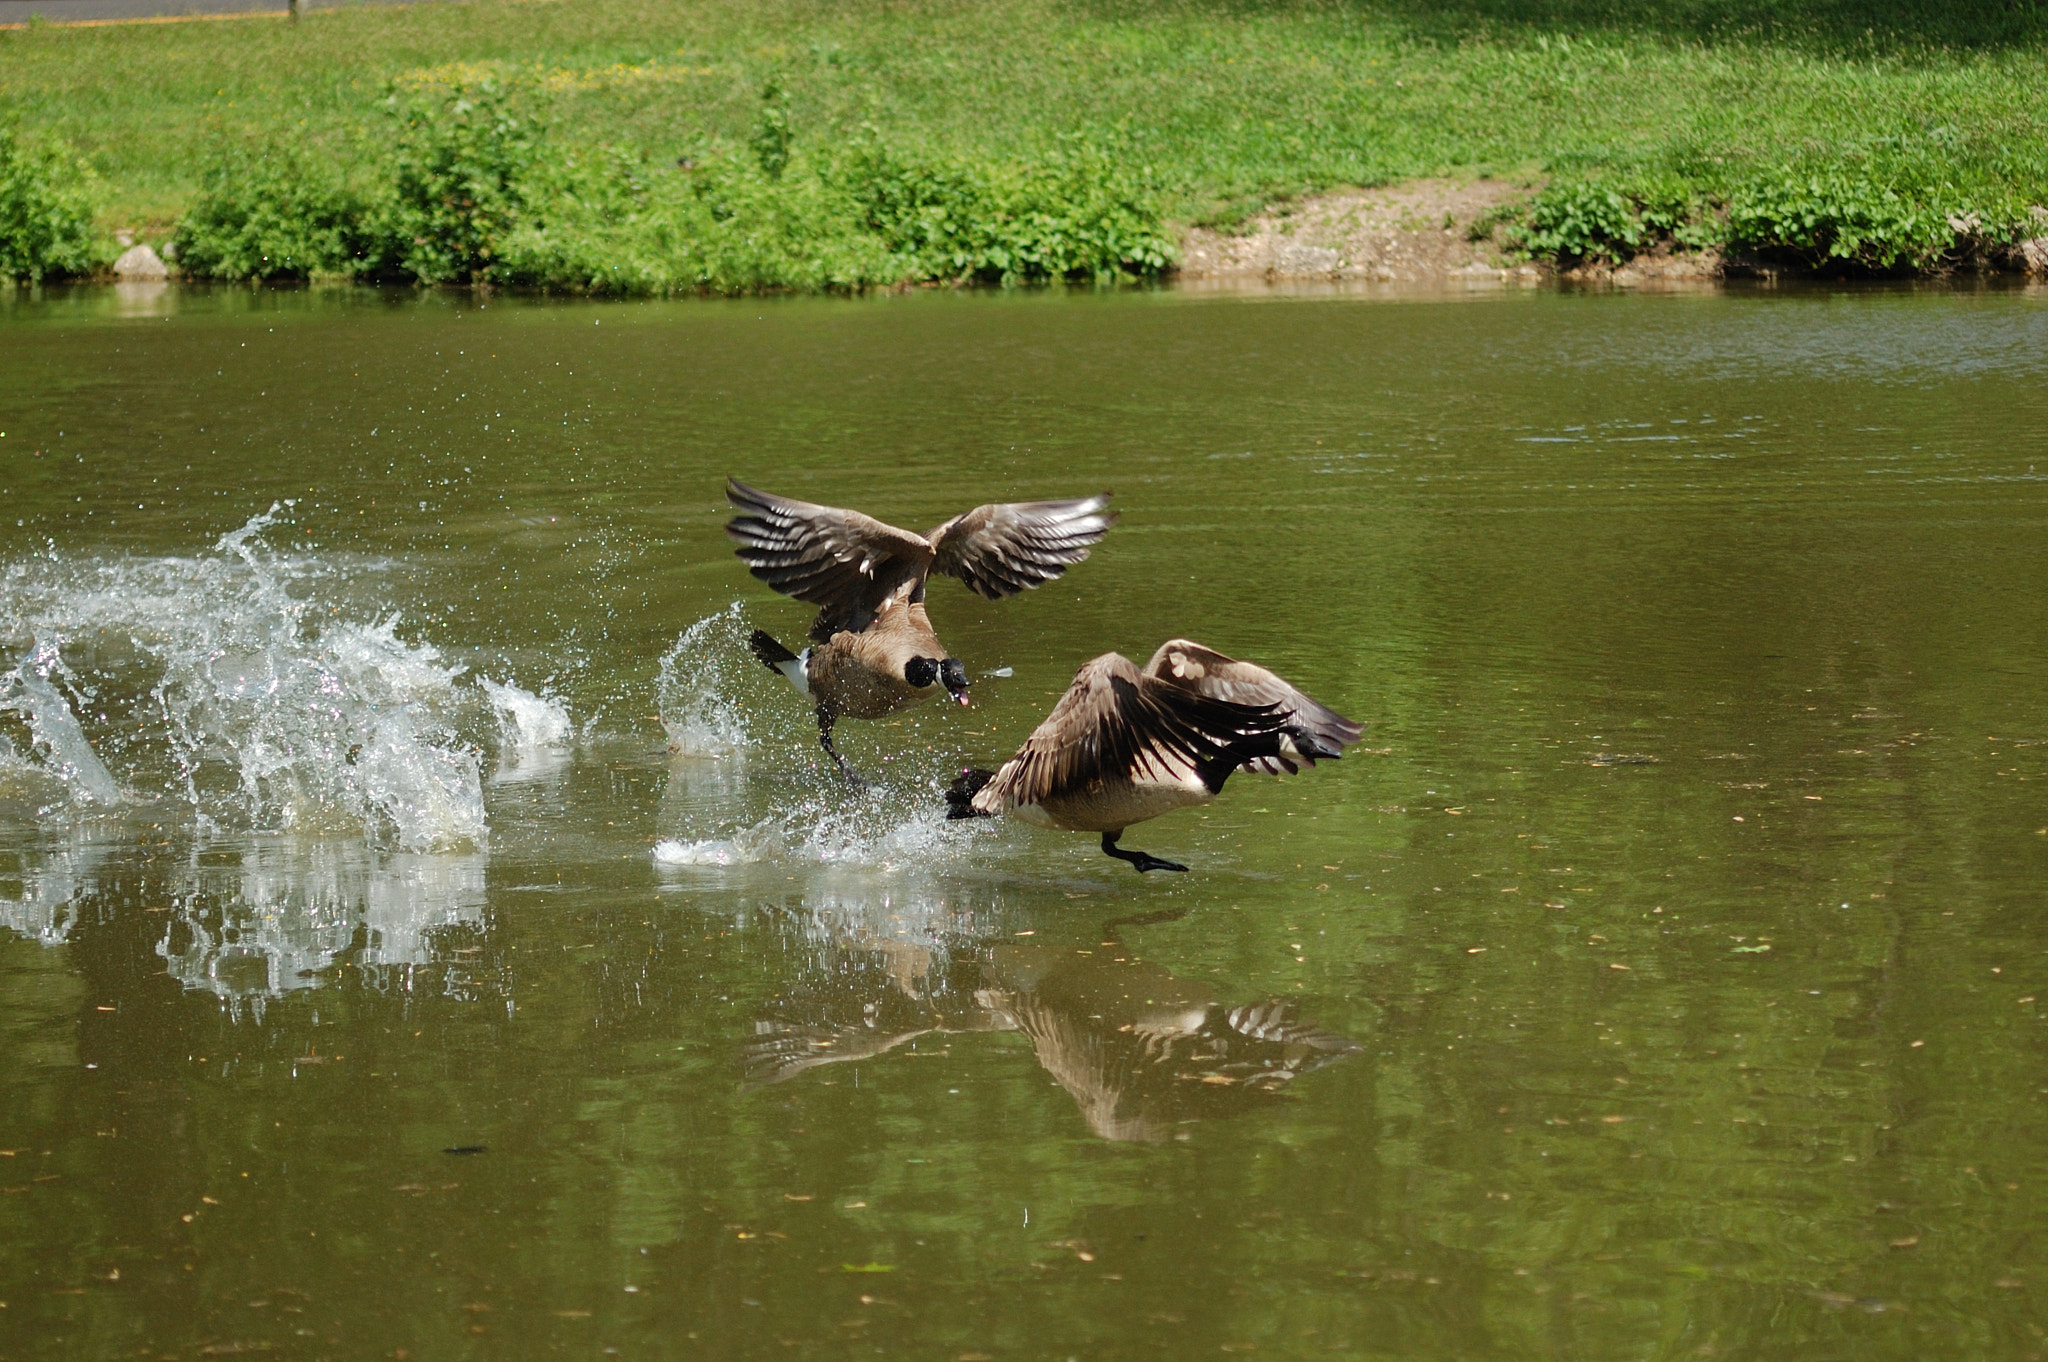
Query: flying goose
{"points": [[1123, 745], [872, 649]]}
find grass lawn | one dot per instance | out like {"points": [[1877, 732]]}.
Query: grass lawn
{"points": [[1220, 104]]}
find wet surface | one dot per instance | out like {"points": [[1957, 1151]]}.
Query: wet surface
{"points": [[423, 927]]}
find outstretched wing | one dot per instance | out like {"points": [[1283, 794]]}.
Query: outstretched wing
{"points": [[1313, 730], [845, 563], [782, 1051], [1114, 724], [1002, 549]]}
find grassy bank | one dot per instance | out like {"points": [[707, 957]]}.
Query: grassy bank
{"points": [[1868, 134]]}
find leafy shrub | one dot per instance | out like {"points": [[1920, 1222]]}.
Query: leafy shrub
{"points": [[609, 222], [456, 185], [478, 194], [1836, 220], [1582, 220], [45, 210], [1075, 215], [772, 133], [273, 213], [1578, 220]]}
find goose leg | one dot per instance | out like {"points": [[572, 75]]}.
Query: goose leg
{"points": [[1140, 859], [853, 777]]}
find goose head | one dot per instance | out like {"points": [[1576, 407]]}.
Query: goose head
{"points": [[954, 677]]}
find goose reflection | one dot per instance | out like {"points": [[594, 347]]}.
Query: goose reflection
{"points": [[1140, 1049]]}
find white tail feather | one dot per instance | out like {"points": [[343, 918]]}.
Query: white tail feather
{"points": [[794, 669]]}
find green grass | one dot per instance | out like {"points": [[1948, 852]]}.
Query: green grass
{"points": [[1213, 104]]}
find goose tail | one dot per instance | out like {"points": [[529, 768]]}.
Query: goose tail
{"points": [[960, 794], [777, 658]]}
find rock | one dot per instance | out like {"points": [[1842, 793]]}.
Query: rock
{"points": [[2033, 254], [140, 262], [1303, 258]]}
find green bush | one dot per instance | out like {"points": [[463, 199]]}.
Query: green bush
{"points": [[1075, 215], [273, 213], [607, 221], [46, 227], [772, 133], [461, 157], [478, 194], [1837, 220], [1580, 220]]}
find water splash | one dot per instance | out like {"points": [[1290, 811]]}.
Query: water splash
{"points": [[754, 844], [57, 738], [714, 699], [529, 725], [749, 785], [729, 814], [243, 684]]}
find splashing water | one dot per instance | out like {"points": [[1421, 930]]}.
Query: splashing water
{"points": [[748, 783], [57, 737], [529, 725], [745, 815], [235, 683], [700, 692]]}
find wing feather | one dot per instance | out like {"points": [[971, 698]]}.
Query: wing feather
{"points": [[1002, 549], [845, 563], [1313, 731], [1115, 724]]}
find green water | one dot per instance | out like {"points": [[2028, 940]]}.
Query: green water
{"points": [[1683, 901]]}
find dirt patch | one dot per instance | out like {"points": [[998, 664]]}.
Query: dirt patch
{"points": [[1416, 233], [1653, 267]]}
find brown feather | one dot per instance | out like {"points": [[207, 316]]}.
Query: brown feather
{"points": [[851, 565], [1314, 731], [847, 564], [1115, 725], [1002, 549]]}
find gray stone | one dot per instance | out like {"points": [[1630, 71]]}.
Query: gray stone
{"points": [[1302, 258], [140, 262]]}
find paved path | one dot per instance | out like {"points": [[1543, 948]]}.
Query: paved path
{"points": [[13, 12]]}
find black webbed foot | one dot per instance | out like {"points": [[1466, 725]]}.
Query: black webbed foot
{"points": [[1144, 861]]}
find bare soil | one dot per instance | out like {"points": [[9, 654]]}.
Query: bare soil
{"points": [[1413, 233], [1418, 234]]}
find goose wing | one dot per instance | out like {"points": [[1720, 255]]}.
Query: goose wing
{"points": [[783, 1051], [1002, 549], [845, 563], [1116, 724], [1312, 730]]}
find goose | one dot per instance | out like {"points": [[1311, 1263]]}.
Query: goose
{"points": [[873, 650], [1124, 745]]}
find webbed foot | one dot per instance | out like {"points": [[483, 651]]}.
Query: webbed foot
{"points": [[1144, 861]]}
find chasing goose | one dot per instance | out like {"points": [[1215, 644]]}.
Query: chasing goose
{"points": [[1124, 745], [872, 649]]}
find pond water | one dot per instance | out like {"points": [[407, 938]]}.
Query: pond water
{"points": [[425, 932]]}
